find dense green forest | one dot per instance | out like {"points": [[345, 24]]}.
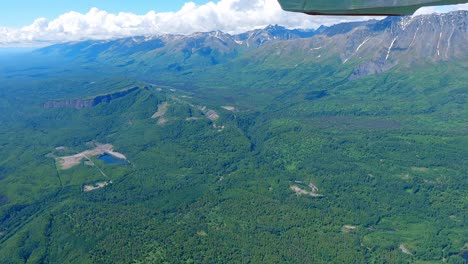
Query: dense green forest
{"points": [[226, 171]]}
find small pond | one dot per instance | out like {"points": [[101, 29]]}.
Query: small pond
{"points": [[464, 255], [109, 159]]}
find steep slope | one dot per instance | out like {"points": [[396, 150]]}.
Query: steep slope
{"points": [[89, 102], [372, 47], [199, 48], [375, 47]]}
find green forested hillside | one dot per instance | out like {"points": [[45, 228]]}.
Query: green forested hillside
{"points": [[386, 152], [343, 145]]}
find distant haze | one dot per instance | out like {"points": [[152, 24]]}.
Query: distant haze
{"points": [[4, 51]]}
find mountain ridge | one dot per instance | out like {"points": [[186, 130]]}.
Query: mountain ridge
{"points": [[374, 46]]}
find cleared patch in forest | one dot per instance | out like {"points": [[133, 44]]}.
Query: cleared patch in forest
{"points": [[69, 162], [219, 128], [405, 250], [96, 186], [162, 109], [300, 191], [229, 108], [211, 114], [348, 228]]}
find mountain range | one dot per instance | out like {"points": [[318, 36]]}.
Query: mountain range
{"points": [[371, 47]]}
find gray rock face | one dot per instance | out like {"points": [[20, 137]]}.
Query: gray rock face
{"points": [[374, 47], [406, 40], [85, 103], [370, 47], [256, 38]]}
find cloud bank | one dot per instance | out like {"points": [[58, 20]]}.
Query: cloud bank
{"points": [[232, 16]]}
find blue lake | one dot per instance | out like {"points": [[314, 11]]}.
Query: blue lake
{"points": [[109, 159]]}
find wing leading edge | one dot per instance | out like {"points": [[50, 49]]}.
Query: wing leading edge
{"points": [[361, 7]]}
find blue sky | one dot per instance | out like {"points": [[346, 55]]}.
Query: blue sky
{"points": [[17, 13]]}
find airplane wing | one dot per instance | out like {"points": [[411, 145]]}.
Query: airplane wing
{"points": [[361, 7]]}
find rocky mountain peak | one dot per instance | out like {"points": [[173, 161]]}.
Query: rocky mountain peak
{"points": [[271, 33], [406, 40], [371, 46]]}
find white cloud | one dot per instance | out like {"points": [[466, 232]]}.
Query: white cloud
{"points": [[232, 16]]}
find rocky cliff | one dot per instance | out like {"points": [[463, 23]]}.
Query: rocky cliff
{"points": [[90, 102]]}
